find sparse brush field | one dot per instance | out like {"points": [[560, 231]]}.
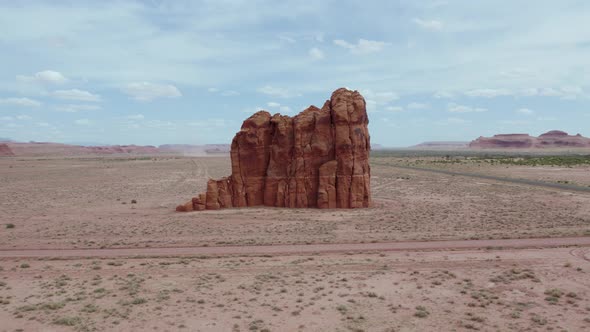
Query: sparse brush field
{"points": [[488, 290], [129, 203], [118, 202]]}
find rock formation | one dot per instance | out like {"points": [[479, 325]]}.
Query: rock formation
{"points": [[318, 158], [5, 151], [551, 139]]}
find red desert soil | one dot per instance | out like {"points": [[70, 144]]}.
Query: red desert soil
{"points": [[441, 290], [273, 269], [87, 203], [296, 249]]}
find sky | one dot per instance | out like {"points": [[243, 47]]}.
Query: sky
{"points": [[157, 72]]}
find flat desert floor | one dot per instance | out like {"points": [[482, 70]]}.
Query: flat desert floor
{"points": [[115, 203]]}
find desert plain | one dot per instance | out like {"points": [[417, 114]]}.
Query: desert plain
{"points": [[92, 243]]}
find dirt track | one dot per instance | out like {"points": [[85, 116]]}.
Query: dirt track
{"points": [[296, 249]]}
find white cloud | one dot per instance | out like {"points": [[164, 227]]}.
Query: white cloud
{"points": [[417, 106], [454, 108], [363, 46], [525, 111], [380, 97], [43, 124], [488, 93], [285, 109], [226, 93], [277, 92], [75, 94], [394, 108], [73, 108], [251, 110], [46, 76], [452, 121], [145, 91], [316, 54], [443, 95], [565, 92], [208, 123], [229, 93], [428, 24], [6, 118], [371, 106], [273, 104], [135, 117], [25, 102], [24, 117], [83, 122], [288, 39]]}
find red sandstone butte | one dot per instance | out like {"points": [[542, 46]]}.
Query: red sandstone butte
{"points": [[316, 159]]}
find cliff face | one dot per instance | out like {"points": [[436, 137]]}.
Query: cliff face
{"points": [[318, 158], [551, 139]]}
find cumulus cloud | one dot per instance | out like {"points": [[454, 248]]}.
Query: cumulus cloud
{"points": [[566, 92], [453, 121], [83, 122], [488, 93], [277, 92], [316, 54], [417, 106], [525, 111], [443, 95], [455, 108], [380, 97], [24, 102], [46, 76], [394, 108], [428, 24], [229, 93], [24, 117], [135, 117], [363, 46], [145, 91], [273, 104], [73, 108], [75, 94]]}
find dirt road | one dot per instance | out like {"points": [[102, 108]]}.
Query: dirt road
{"points": [[295, 249]]}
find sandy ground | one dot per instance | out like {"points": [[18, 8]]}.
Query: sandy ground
{"points": [[87, 203], [577, 175], [488, 290]]}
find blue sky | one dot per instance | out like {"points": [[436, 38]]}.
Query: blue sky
{"points": [[155, 72]]}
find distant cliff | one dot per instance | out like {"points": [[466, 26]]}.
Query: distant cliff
{"points": [[550, 139]]}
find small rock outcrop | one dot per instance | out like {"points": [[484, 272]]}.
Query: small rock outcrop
{"points": [[550, 139], [5, 151], [316, 159]]}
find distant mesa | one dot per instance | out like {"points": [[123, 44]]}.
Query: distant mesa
{"points": [[550, 139], [318, 158], [32, 149], [5, 151]]}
